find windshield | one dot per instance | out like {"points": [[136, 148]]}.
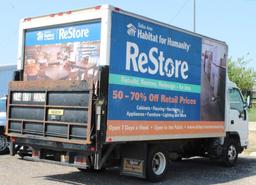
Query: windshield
{"points": [[236, 100], [2, 105]]}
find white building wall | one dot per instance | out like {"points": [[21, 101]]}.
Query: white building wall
{"points": [[6, 74]]}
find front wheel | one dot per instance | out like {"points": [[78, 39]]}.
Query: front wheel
{"points": [[156, 164], [3, 145], [230, 153]]}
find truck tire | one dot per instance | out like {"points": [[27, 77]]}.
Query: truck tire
{"points": [[3, 145], [230, 152], [156, 164]]}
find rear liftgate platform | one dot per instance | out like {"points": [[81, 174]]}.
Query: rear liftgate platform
{"points": [[50, 114]]}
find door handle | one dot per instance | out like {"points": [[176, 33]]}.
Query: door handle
{"points": [[232, 122]]}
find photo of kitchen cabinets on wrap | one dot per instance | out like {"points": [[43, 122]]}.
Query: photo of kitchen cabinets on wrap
{"points": [[65, 53]]}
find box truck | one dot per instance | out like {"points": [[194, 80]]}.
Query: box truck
{"points": [[102, 87]]}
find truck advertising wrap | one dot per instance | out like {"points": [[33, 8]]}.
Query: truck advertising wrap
{"points": [[162, 81], [62, 53]]}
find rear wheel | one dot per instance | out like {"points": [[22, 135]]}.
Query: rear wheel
{"points": [[3, 145], [230, 153], [156, 164]]}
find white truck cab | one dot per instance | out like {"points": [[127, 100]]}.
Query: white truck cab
{"points": [[236, 123], [237, 118]]}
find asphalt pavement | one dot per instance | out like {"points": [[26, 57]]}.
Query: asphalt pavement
{"points": [[196, 171]]}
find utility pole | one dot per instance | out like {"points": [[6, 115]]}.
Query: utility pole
{"points": [[194, 15]]}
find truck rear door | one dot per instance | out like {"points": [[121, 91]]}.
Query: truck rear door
{"points": [[50, 110]]}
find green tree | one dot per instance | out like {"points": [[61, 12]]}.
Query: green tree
{"points": [[241, 74]]}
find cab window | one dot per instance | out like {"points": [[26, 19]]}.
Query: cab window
{"points": [[236, 101]]}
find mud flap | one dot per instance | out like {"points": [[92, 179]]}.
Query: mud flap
{"points": [[134, 157], [133, 167]]}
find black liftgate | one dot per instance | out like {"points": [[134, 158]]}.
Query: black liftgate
{"points": [[58, 111]]}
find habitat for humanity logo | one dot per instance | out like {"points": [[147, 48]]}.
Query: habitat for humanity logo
{"points": [[131, 29], [44, 35]]}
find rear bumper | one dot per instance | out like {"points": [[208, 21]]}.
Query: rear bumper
{"points": [[85, 166], [52, 145], [66, 154]]}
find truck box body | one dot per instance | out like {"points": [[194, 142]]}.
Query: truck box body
{"points": [[158, 82], [162, 82]]}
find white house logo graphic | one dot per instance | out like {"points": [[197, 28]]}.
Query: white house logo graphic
{"points": [[131, 29], [40, 36], [44, 35]]}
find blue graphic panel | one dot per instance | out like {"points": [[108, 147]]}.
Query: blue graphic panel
{"points": [[64, 34], [155, 72]]}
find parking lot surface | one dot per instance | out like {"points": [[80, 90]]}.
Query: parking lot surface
{"points": [[15, 171]]}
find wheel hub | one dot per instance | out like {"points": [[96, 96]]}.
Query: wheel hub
{"points": [[232, 153], [3, 143], [159, 163]]}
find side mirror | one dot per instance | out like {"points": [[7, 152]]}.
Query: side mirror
{"points": [[245, 105], [248, 101]]}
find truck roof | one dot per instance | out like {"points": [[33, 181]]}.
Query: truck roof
{"points": [[113, 8]]}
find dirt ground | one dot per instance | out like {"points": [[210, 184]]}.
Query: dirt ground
{"points": [[252, 144], [196, 171]]}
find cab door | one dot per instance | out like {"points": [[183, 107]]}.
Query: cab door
{"points": [[238, 118]]}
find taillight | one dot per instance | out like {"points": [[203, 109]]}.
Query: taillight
{"points": [[109, 139], [97, 7], [118, 9], [93, 148], [13, 139], [80, 160], [61, 13], [27, 19], [36, 153]]}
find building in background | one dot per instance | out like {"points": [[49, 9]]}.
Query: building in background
{"points": [[6, 74]]}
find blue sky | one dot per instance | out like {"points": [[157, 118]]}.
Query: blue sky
{"points": [[233, 21]]}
